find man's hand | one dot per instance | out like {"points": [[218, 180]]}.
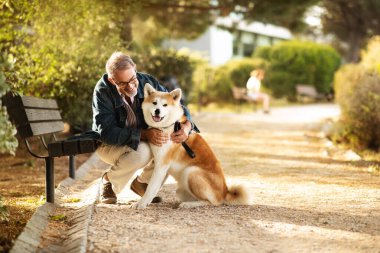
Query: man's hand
{"points": [[154, 136], [182, 134]]}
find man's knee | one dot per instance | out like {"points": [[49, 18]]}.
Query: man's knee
{"points": [[111, 154], [144, 150], [137, 158]]}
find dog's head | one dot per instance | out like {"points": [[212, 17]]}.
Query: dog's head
{"points": [[161, 109]]}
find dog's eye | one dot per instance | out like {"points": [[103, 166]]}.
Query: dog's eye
{"points": [[165, 105], [155, 103]]}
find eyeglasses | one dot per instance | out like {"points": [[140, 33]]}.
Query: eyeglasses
{"points": [[124, 84]]}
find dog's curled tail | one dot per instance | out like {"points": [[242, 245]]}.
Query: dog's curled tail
{"points": [[237, 195]]}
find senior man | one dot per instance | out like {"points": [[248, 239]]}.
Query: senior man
{"points": [[118, 118]]}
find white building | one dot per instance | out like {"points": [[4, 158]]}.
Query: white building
{"points": [[220, 45]]}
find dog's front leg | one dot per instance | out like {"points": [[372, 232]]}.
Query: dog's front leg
{"points": [[154, 185]]}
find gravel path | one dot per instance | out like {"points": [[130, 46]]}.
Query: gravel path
{"points": [[308, 196]]}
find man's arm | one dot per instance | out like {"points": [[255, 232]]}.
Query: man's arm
{"points": [[182, 134], [106, 124], [154, 136]]}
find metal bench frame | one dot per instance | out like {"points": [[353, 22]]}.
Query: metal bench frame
{"points": [[37, 117]]}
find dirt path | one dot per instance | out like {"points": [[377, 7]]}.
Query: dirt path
{"points": [[307, 198]]}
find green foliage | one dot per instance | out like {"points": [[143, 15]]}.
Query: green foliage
{"points": [[162, 62], [262, 52], [283, 13], [202, 79], [170, 19], [60, 49], [233, 73], [8, 141], [357, 88], [298, 62], [371, 56], [353, 22], [62, 56], [58, 217]]}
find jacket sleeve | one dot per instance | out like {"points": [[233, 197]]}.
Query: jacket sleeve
{"points": [[105, 122]]}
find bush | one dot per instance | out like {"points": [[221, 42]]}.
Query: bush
{"points": [[8, 141], [297, 62], [357, 88], [371, 56], [262, 52], [358, 94], [202, 76], [233, 73], [168, 62]]}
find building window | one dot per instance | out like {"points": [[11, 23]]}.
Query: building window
{"points": [[248, 49]]}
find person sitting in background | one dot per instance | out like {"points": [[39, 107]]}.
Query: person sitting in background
{"points": [[253, 89]]}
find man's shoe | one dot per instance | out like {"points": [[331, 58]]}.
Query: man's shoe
{"points": [[140, 188], [107, 195]]}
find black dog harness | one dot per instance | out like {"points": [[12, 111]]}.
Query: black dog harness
{"points": [[189, 151]]}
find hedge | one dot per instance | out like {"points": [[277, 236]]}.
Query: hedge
{"points": [[233, 73], [357, 89], [299, 62]]}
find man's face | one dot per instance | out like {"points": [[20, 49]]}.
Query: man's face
{"points": [[126, 82]]}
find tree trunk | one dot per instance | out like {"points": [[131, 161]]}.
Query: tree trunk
{"points": [[355, 42]]}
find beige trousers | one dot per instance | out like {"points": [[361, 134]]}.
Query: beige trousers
{"points": [[125, 162]]}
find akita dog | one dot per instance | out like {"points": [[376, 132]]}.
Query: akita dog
{"points": [[200, 180]]}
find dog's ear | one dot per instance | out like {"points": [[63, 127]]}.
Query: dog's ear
{"points": [[148, 89], [176, 94]]}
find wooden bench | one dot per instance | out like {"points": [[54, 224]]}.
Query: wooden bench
{"points": [[306, 92], [36, 117], [240, 95]]}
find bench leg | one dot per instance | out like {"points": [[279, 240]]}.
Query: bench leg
{"points": [[49, 179], [254, 106], [72, 166]]}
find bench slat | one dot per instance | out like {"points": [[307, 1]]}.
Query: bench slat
{"points": [[39, 128], [24, 109], [39, 102], [72, 147], [239, 93], [42, 115], [306, 90]]}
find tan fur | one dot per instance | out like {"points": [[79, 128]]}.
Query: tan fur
{"points": [[210, 175], [201, 178]]}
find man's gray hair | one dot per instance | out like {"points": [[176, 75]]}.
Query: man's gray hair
{"points": [[117, 62]]}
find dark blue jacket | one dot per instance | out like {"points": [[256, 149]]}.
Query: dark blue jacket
{"points": [[109, 114]]}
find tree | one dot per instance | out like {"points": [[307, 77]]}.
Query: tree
{"points": [[8, 142], [352, 21], [289, 14]]}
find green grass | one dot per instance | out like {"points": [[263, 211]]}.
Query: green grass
{"points": [[58, 217], [72, 200]]}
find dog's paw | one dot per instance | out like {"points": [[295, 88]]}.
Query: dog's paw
{"points": [[137, 205], [192, 204]]}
